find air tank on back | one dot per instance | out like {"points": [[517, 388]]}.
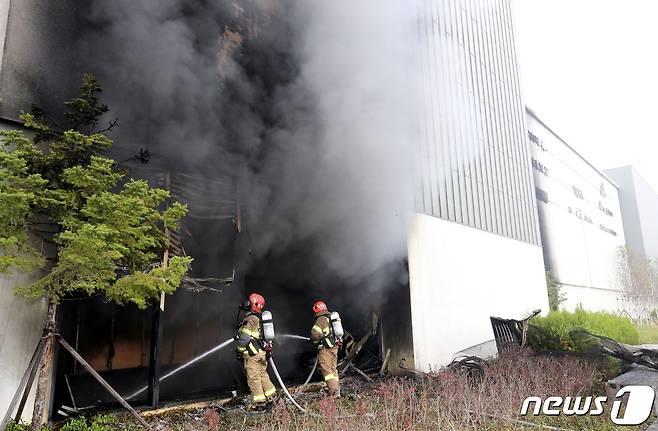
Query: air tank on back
{"points": [[268, 326], [336, 324]]}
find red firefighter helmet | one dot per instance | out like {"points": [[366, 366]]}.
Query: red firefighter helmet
{"points": [[319, 307], [256, 303]]}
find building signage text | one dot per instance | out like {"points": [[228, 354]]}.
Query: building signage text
{"points": [[539, 167]]}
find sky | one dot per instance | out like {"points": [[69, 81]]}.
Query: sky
{"points": [[589, 70]]}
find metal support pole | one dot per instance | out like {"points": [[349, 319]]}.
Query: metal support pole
{"points": [[24, 386], [30, 380], [154, 360]]}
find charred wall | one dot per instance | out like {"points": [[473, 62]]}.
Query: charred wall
{"points": [[287, 130], [396, 332], [204, 168]]}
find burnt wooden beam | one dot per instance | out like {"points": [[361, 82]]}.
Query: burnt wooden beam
{"points": [[153, 394], [385, 362], [361, 373], [46, 376]]}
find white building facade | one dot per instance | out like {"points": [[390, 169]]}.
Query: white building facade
{"points": [[639, 210], [474, 244], [580, 220]]}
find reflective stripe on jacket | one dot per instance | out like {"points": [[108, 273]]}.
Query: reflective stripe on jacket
{"points": [[322, 334], [249, 335]]}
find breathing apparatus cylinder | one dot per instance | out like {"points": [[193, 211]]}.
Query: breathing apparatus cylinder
{"points": [[336, 324], [268, 326]]}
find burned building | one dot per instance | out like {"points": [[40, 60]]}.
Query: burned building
{"points": [[372, 155]]}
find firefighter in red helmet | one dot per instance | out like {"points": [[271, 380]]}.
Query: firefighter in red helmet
{"points": [[327, 342], [251, 349]]}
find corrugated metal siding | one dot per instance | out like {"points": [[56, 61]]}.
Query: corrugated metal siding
{"points": [[475, 161]]}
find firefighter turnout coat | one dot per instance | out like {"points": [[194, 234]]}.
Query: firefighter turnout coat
{"points": [[323, 337], [254, 359]]}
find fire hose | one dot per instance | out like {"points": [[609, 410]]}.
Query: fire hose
{"points": [[183, 366], [283, 386], [310, 376], [221, 346], [285, 390], [315, 364]]}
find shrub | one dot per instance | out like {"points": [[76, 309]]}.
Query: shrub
{"points": [[13, 426], [558, 330], [555, 295], [99, 423], [212, 419]]}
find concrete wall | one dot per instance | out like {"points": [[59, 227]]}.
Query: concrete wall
{"points": [[459, 277], [37, 66], [580, 221], [589, 298], [639, 205], [21, 326]]}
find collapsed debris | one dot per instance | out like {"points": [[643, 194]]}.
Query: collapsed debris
{"points": [[510, 334]]}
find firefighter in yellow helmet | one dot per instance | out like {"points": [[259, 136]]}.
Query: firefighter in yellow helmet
{"points": [[327, 343], [251, 349]]}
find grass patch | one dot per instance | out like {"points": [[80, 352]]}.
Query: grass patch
{"points": [[648, 334]]}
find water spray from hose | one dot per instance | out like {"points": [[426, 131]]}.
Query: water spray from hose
{"points": [[185, 365], [300, 337], [295, 337]]}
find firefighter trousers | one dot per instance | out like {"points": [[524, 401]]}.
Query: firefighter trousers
{"points": [[258, 380], [327, 359]]}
